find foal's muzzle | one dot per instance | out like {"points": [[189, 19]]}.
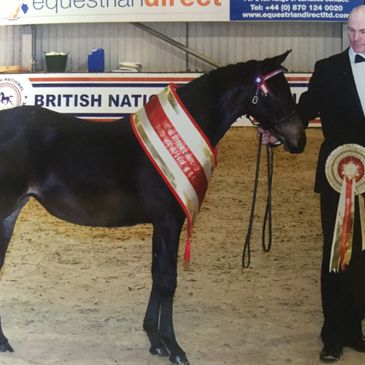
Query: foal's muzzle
{"points": [[290, 130]]}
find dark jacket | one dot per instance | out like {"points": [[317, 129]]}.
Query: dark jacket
{"points": [[333, 97]]}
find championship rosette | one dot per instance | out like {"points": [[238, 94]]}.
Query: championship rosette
{"points": [[345, 171]]}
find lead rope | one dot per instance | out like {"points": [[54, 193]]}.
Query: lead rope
{"points": [[246, 255], [268, 210]]}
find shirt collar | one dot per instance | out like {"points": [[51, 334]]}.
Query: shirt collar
{"points": [[352, 55]]}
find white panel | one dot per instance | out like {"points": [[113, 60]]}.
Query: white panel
{"points": [[10, 45], [121, 42], [26, 51], [221, 42], [235, 42]]}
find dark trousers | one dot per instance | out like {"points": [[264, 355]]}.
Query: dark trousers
{"points": [[343, 294]]}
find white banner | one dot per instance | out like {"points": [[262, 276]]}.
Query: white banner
{"points": [[104, 96], [90, 11]]}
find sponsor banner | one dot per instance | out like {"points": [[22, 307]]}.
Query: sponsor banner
{"points": [[293, 10], [101, 97], [87, 11], [90, 11]]}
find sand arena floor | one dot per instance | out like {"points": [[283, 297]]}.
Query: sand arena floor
{"points": [[76, 295]]}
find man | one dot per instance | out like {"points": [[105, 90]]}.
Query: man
{"points": [[336, 93]]}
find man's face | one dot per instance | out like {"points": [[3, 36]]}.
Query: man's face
{"points": [[356, 31]]}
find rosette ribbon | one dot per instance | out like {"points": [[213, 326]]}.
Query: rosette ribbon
{"points": [[345, 172]]}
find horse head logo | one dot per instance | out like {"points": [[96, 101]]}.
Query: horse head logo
{"points": [[6, 99]]}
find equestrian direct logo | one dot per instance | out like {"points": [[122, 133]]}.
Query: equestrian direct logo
{"points": [[11, 93]]}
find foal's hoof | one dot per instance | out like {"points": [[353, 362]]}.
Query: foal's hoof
{"points": [[6, 347], [179, 360], [159, 350]]}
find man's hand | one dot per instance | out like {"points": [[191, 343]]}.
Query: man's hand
{"points": [[267, 137]]}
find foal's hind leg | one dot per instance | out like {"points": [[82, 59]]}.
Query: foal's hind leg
{"points": [[158, 322], [6, 231]]}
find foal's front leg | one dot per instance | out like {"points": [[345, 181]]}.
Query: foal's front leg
{"points": [[151, 323], [158, 322]]}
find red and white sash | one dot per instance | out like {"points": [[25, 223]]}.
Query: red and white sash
{"points": [[178, 149]]}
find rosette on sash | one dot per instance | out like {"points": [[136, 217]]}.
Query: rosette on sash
{"points": [[345, 168], [178, 149]]}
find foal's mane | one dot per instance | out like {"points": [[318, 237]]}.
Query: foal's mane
{"points": [[224, 77], [220, 96], [238, 73]]}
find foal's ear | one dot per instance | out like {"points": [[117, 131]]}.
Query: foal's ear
{"points": [[278, 60], [272, 63]]}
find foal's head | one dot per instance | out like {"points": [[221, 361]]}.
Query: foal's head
{"points": [[272, 105], [260, 90]]}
